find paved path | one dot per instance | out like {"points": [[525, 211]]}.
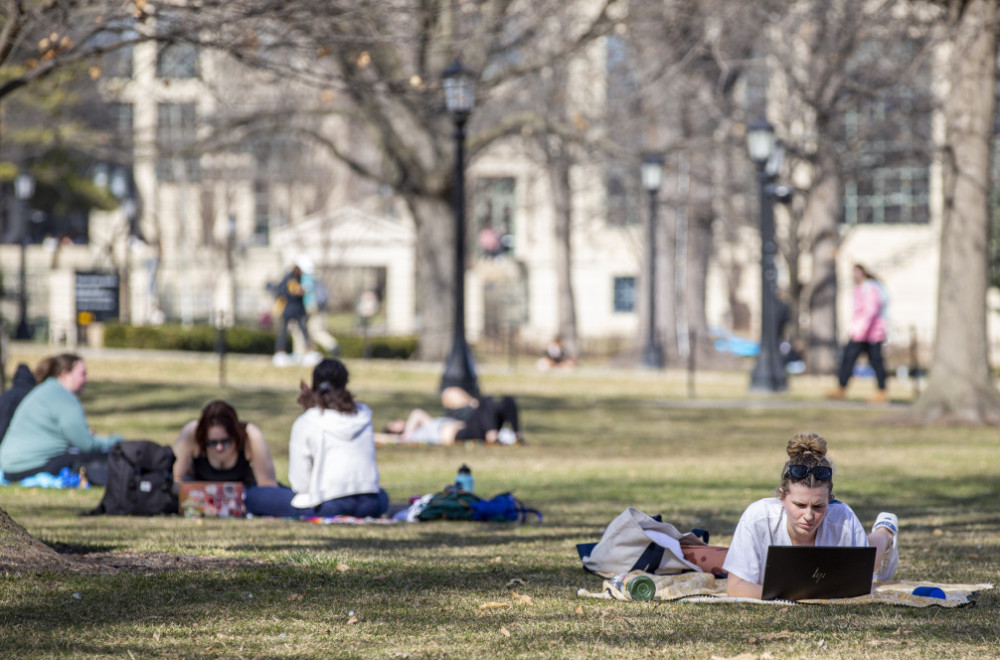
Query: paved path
{"points": [[807, 390]]}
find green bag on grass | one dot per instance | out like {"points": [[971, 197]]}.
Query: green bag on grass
{"points": [[450, 504]]}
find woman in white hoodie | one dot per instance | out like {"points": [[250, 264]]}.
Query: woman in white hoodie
{"points": [[331, 455]]}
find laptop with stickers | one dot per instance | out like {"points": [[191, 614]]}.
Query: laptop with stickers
{"points": [[222, 499]]}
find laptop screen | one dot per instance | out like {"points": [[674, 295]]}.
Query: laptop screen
{"points": [[223, 499], [804, 572]]}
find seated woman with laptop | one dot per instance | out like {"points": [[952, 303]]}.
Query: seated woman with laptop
{"points": [[219, 447], [804, 513]]}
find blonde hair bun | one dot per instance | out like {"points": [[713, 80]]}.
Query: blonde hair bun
{"points": [[805, 444]]}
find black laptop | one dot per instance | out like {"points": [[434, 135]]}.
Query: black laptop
{"points": [[798, 572]]}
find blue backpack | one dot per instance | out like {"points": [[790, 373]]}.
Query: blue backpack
{"points": [[455, 504], [502, 508]]}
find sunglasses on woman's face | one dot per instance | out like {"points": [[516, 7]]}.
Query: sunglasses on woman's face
{"points": [[821, 472], [219, 444]]}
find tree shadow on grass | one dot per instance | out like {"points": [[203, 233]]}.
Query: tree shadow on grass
{"points": [[442, 597]]}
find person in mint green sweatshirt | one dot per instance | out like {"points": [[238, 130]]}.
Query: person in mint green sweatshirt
{"points": [[49, 430]]}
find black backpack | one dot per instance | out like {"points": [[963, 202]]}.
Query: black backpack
{"points": [[140, 480]]}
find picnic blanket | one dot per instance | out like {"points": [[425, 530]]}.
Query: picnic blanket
{"points": [[705, 587], [347, 520], [331, 520]]}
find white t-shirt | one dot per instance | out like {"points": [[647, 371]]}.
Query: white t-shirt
{"points": [[331, 455], [764, 523]]}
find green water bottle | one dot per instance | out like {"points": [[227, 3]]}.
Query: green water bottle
{"points": [[636, 585]]}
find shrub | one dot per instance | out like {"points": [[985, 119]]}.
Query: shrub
{"points": [[242, 339]]}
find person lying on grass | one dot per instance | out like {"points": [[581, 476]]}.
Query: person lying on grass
{"points": [[483, 414], [803, 513], [219, 447], [419, 428], [331, 455]]}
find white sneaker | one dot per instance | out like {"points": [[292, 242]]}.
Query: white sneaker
{"points": [[312, 358], [281, 359], [506, 436], [890, 560]]}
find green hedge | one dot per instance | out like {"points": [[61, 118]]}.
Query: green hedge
{"points": [[242, 339]]}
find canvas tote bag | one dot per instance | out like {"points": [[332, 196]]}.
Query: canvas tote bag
{"points": [[628, 545]]}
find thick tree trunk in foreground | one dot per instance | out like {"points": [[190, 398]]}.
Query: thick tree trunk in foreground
{"points": [[20, 551], [960, 388]]}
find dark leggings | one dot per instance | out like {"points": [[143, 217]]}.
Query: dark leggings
{"points": [[851, 353], [96, 463], [490, 416], [277, 501]]}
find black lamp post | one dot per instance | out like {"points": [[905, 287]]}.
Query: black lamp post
{"points": [[459, 96], [24, 188], [769, 373], [119, 186], [652, 179]]}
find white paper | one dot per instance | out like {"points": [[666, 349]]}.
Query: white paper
{"points": [[665, 541]]}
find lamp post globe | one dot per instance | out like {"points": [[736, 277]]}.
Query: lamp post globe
{"points": [[760, 141], [652, 179], [459, 96], [24, 189], [768, 373]]}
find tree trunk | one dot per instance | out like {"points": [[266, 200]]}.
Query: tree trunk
{"points": [[960, 388], [20, 551], [822, 211], [562, 196], [700, 245], [667, 296], [435, 238]]}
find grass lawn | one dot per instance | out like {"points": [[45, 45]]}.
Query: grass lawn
{"points": [[600, 440]]}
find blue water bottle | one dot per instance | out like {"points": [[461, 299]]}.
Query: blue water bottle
{"points": [[463, 480]]}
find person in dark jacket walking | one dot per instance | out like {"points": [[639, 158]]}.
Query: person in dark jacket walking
{"points": [[291, 300], [24, 380]]}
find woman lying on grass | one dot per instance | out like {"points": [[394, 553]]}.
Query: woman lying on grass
{"points": [[489, 422], [803, 513]]}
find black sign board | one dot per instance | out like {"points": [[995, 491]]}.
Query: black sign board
{"points": [[96, 297]]}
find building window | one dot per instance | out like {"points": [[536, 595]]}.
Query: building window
{"points": [[886, 135], [493, 203], [621, 190], [624, 293], [176, 128], [116, 61], [118, 121], [620, 77], [177, 61], [889, 195], [261, 212]]}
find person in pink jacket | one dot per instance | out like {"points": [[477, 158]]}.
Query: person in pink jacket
{"points": [[867, 332]]}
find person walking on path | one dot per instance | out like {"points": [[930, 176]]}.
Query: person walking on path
{"points": [[868, 328], [315, 300], [291, 300]]}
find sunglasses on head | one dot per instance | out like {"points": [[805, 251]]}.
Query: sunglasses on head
{"points": [[821, 472], [219, 444]]}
